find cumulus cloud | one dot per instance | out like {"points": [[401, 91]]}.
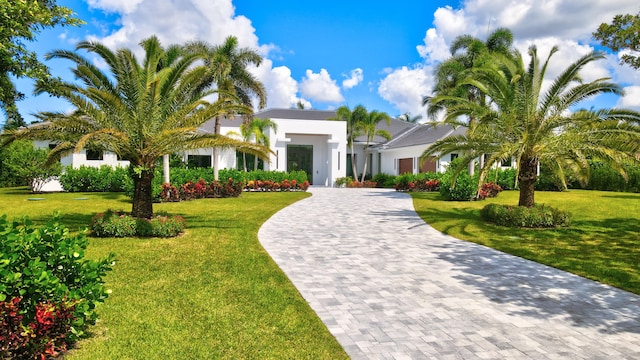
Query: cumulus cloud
{"points": [[320, 87], [282, 89], [631, 99], [567, 24], [405, 88], [179, 22], [355, 77]]}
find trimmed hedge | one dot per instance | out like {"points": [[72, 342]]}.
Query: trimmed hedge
{"points": [[539, 216], [93, 179]]}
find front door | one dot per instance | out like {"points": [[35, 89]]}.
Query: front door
{"points": [[300, 157]]}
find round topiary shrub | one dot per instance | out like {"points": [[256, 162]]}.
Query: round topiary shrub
{"points": [[539, 216]]}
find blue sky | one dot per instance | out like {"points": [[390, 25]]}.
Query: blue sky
{"points": [[380, 54]]}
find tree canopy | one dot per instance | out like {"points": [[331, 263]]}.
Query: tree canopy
{"points": [[138, 110], [21, 21], [622, 34], [526, 120]]}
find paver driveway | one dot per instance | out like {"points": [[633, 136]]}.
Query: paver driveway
{"points": [[388, 286]]}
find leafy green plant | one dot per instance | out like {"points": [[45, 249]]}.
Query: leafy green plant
{"points": [[539, 216], [384, 180], [23, 164], [120, 224], [47, 286], [343, 181], [94, 179]]}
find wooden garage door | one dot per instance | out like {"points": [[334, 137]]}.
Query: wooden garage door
{"points": [[429, 165], [405, 166]]}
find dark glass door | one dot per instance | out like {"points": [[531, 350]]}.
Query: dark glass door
{"points": [[300, 157]]}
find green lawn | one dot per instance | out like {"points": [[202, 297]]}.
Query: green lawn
{"points": [[211, 293], [603, 242]]}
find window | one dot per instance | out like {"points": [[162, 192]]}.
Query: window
{"points": [[454, 156], [94, 155], [52, 146], [506, 163], [199, 161]]}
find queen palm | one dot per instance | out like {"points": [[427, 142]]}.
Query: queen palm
{"points": [[228, 71], [256, 130], [354, 119], [140, 111], [525, 121], [368, 126]]}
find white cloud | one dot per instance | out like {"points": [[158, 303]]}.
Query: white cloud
{"points": [[320, 87], [355, 77], [282, 89], [405, 88], [119, 6], [631, 99], [565, 23]]}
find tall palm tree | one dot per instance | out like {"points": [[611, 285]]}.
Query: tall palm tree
{"points": [[228, 72], [409, 118], [354, 119], [369, 129], [524, 122], [139, 111], [256, 130], [467, 52]]}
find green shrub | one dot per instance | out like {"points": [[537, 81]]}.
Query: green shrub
{"points": [[383, 180], [48, 290], [120, 224], [22, 164], [93, 179], [343, 181], [539, 216], [506, 178]]}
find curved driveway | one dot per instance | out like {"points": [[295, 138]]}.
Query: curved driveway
{"points": [[388, 286]]}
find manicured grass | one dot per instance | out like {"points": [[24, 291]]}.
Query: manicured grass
{"points": [[211, 293], [603, 242]]}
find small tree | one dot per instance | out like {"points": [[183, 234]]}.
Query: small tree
{"points": [[622, 34], [28, 166]]}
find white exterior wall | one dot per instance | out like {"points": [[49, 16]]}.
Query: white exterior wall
{"points": [[329, 142], [390, 159], [76, 160]]}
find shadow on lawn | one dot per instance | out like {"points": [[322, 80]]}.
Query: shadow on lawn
{"points": [[538, 291]]}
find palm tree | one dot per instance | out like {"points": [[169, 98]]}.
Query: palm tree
{"points": [[256, 131], [368, 127], [410, 119], [138, 111], [228, 71], [533, 126], [467, 52], [354, 119]]}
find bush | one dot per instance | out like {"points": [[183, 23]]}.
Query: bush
{"points": [[505, 178], [93, 179], [48, 290], [344, 181], [429, 181], [383, 180], [539, 216], [465, 188], [489, 190], [22, 164], [119, 224]]}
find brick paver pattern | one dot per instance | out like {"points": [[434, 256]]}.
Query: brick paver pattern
{"points": [[389, 286]]}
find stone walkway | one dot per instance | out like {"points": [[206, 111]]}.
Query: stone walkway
{"points": [[388, 286]]}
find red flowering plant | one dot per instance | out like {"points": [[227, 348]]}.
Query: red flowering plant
{"points": [[488, 190], [48, 290]]}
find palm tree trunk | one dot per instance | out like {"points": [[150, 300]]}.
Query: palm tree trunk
{"points": [[353, 164], [244, 162], [143, 194], [527, 176], [216, 151], [364, 169]]}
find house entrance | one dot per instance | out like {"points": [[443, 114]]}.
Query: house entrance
{"points": [[300, 157]]}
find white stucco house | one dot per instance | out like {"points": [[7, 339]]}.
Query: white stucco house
{"points": [[311, 141]]}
